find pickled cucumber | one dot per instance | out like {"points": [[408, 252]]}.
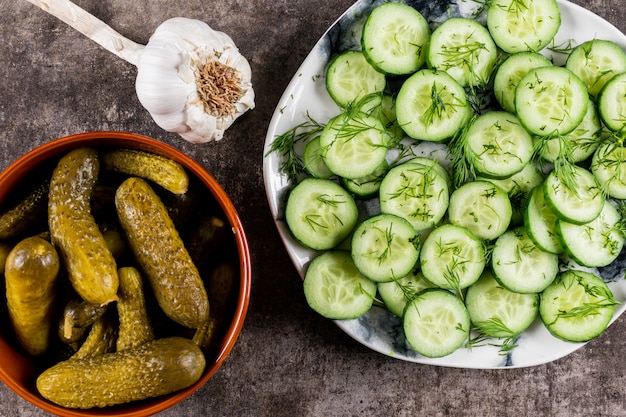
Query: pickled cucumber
{"points": [[77, 316], [27, 214], [156, 368], [101, 338], [161, 254], [90, 264], [31, 272], [167, 173], [135, 328], [221, 291]]}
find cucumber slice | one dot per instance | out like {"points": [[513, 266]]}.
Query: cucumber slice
{"points": [[367, 186], [385, 247], [452, 257], [394, 39], [511, 71], [397, 293], [596, 62], [577, 145], [463, 48], [432, 106], [415, 192], [541, 221], [523, 25], [436, 323], [574, 196], [353, 144], [350, 77], [497, 144], [551, 101], [518, 187], [611, 103], [608, 165], [594, 244], [313, 161], [497, 311], [320, 213], [482, 207], [335, 289], [577, 307], [436, 166], [383, 107], [519, 265]]}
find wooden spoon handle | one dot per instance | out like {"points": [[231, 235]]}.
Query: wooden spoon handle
{"points": [[92, 27]]}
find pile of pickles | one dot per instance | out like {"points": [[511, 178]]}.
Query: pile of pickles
{"points": [[121, 275]]}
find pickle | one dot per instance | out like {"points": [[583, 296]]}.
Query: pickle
{"points": [[135, 328], [31, 272], [90, 264], [204, 239], [115, 242], [101, 339], [26, 214], [78, 315], [221, 292], [167, 173], [161, 254], [5, 249], [156, 368]]}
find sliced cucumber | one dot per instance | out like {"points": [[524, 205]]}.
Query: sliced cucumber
{"points": [[611, 104], [397, 293], [464, 49], [415, 192], [350, 77], [541, 221], [518, 187], [432, 106], [435, 165], [577, 145], [436, 323], [383, 107], [551, 101], [320, 213], [394, 39], [335, 289], [482, 207], [313, 161], [497, 311], [511, 71], [497, 144], [452, 257], [608, 165], [519, 265], [353, 144], [369, 185], [594, 244], [523, 25], [385, 247], [577, 307], [574, 196], [596, 62]]}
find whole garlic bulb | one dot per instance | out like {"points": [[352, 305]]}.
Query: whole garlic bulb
{"points": [[191, 78]]}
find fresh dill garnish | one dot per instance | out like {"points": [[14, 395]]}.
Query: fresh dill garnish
{"points": [[284, 144]]}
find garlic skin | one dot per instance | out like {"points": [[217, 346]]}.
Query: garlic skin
{"points": [[167, 72]]}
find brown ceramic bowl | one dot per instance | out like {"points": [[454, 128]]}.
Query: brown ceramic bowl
{"points": [[19, 372]]}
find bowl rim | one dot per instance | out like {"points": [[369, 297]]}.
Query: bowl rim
{"points": [[11, 175]]}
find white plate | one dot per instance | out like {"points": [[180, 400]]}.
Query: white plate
{"points": [[306, 93]]}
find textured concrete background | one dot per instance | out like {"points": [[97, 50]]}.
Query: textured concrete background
{"points": [[288, 362]]}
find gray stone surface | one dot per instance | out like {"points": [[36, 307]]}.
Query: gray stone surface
{"points": [[288, 362]]}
